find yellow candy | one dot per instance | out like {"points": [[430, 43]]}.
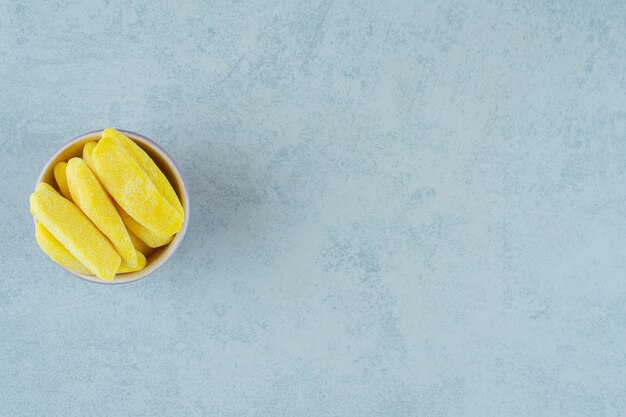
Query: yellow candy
{"points": [[133, 190], [94, 201], [147, 165], [140, 245], [87, 150], [61, 178], [63, 257], [57, 252], [74, 231], [150, 238], [141, 264]]}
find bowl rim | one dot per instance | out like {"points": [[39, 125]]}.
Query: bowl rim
{"points": [[175, 243]]}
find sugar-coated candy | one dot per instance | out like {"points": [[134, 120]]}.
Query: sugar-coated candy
{"points": [[133, 190], [93, 200], [71, 227]]}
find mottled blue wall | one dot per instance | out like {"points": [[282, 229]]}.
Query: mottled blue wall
{"points": [[398, 208]]}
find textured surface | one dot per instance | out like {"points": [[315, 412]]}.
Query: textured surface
{"points": [[398, 209], [93, 200]]}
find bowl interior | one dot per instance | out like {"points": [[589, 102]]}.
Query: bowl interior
{"points": [[75, 148]]}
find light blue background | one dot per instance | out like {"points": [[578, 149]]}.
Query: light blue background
{"points": [[398, 209]]}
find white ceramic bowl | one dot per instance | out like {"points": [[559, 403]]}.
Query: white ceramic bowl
{"points": [[75, 147]]}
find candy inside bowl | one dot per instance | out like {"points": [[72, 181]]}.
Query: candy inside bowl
{"points": [[143, 185]]}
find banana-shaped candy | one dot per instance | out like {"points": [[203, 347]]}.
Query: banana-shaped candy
{"points": [[69, 225], [57, 252], [87, 150], [94, 201], [133, 189], [60, 175], [146, 163]]}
